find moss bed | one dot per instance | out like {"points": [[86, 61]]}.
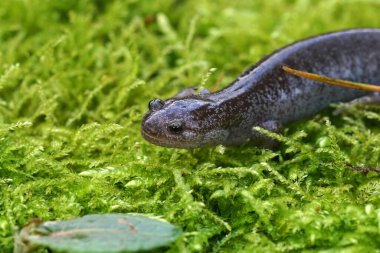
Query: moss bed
{"points": [[75, 80]]}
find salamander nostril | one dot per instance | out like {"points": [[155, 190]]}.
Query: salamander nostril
{"points": [[156, 104]]}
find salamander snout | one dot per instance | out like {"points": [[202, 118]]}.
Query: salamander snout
{"points": [[168, 123], [180, 123], [157, 128]]}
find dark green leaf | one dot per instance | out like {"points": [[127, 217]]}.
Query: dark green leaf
{"points": [[108, 233]]}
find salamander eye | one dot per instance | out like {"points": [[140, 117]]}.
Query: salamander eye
{"points": [[156, 104], [175, 127]]}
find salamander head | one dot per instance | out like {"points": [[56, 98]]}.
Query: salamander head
{"points": [[183, 123]]}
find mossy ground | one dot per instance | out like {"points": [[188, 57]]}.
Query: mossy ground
{"points": [[75, 80]]}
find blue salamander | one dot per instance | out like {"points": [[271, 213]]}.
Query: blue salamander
{"points": [[265, 95]]}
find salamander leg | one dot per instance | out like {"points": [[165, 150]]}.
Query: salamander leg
{"points": [[370, 99], [272, 125], [264, 141]]}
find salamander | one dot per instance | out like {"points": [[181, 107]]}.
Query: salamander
{"points": [[265, 95]]}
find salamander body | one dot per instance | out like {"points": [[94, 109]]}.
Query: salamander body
{"points": [[265, 95]]}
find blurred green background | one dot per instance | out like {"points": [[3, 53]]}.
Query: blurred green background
{"points": [[75, 80]]}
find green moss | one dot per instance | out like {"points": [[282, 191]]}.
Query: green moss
{"points": [[75, 79]]}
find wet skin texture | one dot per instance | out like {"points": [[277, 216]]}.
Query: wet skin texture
{"points": [[265, 95]]}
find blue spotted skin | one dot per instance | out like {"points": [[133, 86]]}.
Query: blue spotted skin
{"points": [[265, 95]]}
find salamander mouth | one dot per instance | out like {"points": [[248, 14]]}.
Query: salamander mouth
{"points": [[150, 137], [158, 141], [166, 143]]}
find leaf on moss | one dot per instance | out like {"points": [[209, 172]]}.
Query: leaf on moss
{"points": [[108, 233]]}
